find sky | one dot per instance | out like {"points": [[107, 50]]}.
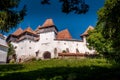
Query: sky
{"points": [[75, 23]]}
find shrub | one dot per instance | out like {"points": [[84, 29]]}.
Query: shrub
{"points": [[63, 51]]}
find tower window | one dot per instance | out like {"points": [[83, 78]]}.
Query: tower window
{"points": [[29, 47], [77, 51], [77, 44]]}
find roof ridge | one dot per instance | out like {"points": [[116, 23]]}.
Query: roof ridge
{"points": [[64, 34], [29, 29], [86, 31], [48, 22], [18, 31]]}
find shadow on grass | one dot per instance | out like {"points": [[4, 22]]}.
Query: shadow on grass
{"points": [[10, 67], [67, 73]]}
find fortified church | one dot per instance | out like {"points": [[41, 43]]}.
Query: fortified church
{"points": [[47, 42]]}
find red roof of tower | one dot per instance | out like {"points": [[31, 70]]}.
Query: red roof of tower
{"points": [[28, 29], [64, 34], [86, 31], [18, 32], [47, 23]]}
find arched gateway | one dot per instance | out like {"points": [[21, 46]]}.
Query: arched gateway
{"points": [[46, 55]]}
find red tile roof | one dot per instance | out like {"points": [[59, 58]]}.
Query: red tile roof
{"points": [[77, 54], [18, 32], [47, 23], [2, 36], [86, 32], [28, 29], [70, 54], [64, 34], [38, 28]]}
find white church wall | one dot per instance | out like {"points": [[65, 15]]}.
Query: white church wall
{"points": [[3, 54], [47, 37], [70, 45], [48, 42], [26, 48]]}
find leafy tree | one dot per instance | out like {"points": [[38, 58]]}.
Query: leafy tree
{"points": [[106, 33], [9, 17], [11, 49], [11, 52], [97, 40], [78, 6]]}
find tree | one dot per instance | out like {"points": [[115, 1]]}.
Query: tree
{"points": [[78, 6], [11, 49], [109, 17], [97, 40], [11, 52], [9, 17]]}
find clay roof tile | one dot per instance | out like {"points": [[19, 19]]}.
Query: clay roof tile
{"points": [[64, 34], [28, 29], [86, 31], [47, 23], [18, 32]]}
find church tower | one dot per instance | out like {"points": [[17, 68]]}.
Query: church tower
{"points": [[85, 34], [47, 31]]}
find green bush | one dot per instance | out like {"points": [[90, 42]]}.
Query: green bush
{"points": [[63, 51]]}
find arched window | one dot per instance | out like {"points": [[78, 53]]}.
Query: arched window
{"points": [[77, 51], [55, 52], [67, 50], [37, 52]]}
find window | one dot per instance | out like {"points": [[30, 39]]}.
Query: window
{"points": [[37, 52], [15, 47], [29, 47], [55, 52], [67, 50], [77, 44], [77, 51]]}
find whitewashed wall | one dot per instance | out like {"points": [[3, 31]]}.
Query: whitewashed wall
{"points": [[48, 43], [26, 48], [3, 54]]}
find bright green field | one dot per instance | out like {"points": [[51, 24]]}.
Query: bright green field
{"points": [[61, 69]]}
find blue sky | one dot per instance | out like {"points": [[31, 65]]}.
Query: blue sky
{"points": [[76, 24]]}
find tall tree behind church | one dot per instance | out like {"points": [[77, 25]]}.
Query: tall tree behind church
{"points": [[106, 32], [9, 16]]}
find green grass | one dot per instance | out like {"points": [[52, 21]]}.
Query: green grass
{"points": [[61, 69]]}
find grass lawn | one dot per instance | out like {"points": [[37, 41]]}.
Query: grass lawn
{"points": [[61, 69]]}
